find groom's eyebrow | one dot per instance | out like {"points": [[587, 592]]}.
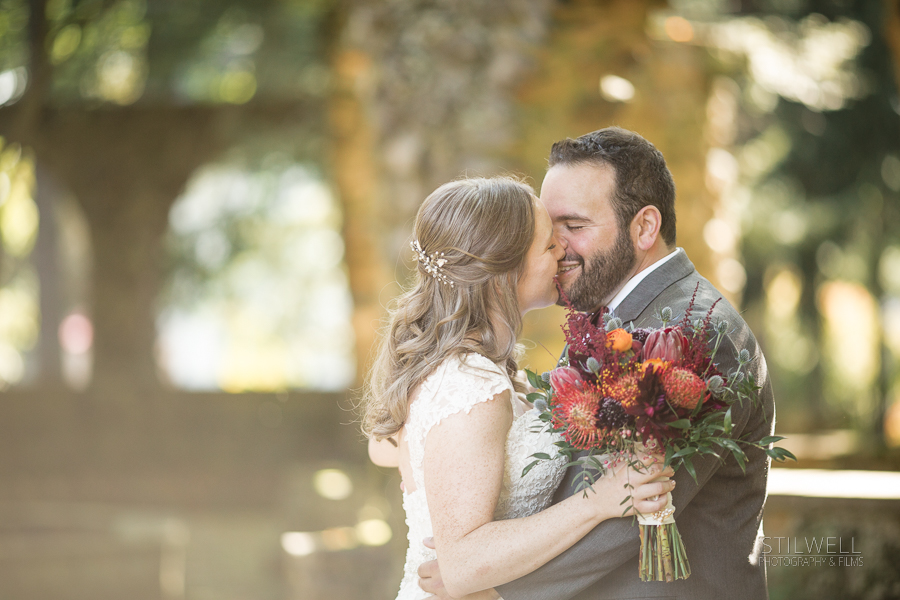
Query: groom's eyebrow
{"points": [[573, 217]]}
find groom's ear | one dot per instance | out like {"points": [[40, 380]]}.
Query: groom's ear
{"points": [[645, 227]]}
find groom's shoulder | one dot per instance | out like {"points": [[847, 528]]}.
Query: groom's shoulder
{"points": [[697, 293]]}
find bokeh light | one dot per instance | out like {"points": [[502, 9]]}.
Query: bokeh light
{"points": [[20, 317], [851, 348], [373, 532], [333, 484], [76, 333], [298, 543], [616, 89]]}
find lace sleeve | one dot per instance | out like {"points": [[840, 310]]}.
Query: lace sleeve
{"points": [[456, 385]]}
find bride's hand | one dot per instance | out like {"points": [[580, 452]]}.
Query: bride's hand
{"points": [[648, 487]]}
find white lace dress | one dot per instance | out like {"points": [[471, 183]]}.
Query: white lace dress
{"points": [[458, 386]]}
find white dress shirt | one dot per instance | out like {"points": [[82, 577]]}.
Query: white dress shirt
{"points": [[639, 277]]}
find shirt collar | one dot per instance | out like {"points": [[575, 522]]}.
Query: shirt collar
{"points": [[639, 277]]}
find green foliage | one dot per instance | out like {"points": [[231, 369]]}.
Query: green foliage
{"points": [[215, 51], [13, 33], [825, 205], [537, 382]]}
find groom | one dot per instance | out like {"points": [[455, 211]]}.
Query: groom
{"points": [[612, 201]]}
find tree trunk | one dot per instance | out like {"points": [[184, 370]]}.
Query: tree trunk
{"points": [[590, 40], [423, 93], [46, 258], [892, 34], [126, 167], [355, 177]]}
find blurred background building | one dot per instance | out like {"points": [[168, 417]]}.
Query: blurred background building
{"points": [[205, 207]]}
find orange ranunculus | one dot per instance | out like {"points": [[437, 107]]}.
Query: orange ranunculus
{"points": [[619, 340], [657, 364]]}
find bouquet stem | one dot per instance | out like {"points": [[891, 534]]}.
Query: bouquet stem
{"points": [[662, 557]]}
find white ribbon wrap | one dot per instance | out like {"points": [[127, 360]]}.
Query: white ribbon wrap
{"points": [[660, 517]]}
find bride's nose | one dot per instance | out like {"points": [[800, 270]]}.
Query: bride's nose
{"points": [[561, 247]]}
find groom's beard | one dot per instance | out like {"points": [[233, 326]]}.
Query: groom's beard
{"points": [[601, 274]]}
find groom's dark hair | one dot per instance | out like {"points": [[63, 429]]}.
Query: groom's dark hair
{"points": [[642, 177]]}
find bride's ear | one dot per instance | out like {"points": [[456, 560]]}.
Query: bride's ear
{"points": [[645, 227]]}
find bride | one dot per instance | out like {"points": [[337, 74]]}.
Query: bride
{"points": [[443, 404]]}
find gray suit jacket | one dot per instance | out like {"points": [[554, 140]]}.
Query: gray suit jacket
{"points": [[719, 518]]}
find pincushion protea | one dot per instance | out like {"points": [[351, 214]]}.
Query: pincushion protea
{"points": [[575, 408], [624, 389], [683, 388]]}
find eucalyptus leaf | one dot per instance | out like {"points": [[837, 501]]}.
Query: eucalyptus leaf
{"points": [[689, 467], [685, 452], [771, 439], [533, 396]]}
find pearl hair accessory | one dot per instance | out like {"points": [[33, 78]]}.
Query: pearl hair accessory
{"points": [[432, 262]]}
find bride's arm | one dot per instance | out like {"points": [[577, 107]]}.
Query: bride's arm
{"points": [[464, 464]]}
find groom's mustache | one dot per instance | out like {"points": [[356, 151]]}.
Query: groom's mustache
{"points": [[570, 262]]}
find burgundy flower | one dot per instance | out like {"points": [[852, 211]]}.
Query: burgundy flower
{"points": [[611, 414]]}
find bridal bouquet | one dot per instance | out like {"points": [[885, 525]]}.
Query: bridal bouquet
{"points": [[621, 392]]}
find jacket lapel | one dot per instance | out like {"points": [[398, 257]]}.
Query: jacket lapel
{"points": [[676, 268]]}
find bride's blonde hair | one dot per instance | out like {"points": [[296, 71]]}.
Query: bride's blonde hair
{"points": [[484, 228]]}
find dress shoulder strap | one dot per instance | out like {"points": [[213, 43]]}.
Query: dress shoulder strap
{"points": [[457, 385]]}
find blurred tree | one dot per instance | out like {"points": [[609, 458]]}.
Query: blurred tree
{"points": [[816, 177], [892, 34], [428, 92], [424, 93], [125, 99], [600, 66]]}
